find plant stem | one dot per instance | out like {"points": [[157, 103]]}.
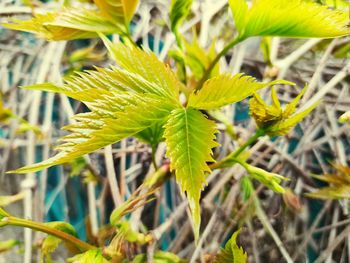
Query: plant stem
{"points": [[153, 156], [222, 53], [236, 153], [15, 221]]}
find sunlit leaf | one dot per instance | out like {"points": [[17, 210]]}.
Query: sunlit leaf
{"points": [[190, 138], [66, 24], [227, 89], [288, 18], [117, 99], [232, 253], [120, 11]]}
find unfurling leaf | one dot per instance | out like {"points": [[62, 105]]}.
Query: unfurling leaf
{"points": [[274, 120], [339, 184], [190, 138], [117, 99], [125, 230], [178, 12], [232, 253], [288, 18], [227, 89], [270, 180]]}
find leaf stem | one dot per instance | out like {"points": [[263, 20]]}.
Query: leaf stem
{"points": [[222, 53], [236, 153], [15, 221], [153, 156]]}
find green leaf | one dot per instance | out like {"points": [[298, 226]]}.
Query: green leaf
{"points": [[66, 24], [90, 256], [227, 89], [288, 18], [152, 135], [232, 253], [178, 12], [190, 137], [120, 11]]}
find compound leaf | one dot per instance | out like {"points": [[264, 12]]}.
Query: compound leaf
{"points": [[227, 89], [190, 137]]}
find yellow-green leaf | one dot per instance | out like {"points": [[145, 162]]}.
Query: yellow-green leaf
{"points": [[66, 24], [227, 89], [120, 11], [178, 12], [117, 99], [232, 253], [288, 18], [274, 120], [90, 256], [153, 74], [190, 138]]}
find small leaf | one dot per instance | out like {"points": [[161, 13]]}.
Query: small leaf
{"points": [[227, 89], [51, 243], [190, 137], [232, 253], [90, 256], [288, 18]]}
